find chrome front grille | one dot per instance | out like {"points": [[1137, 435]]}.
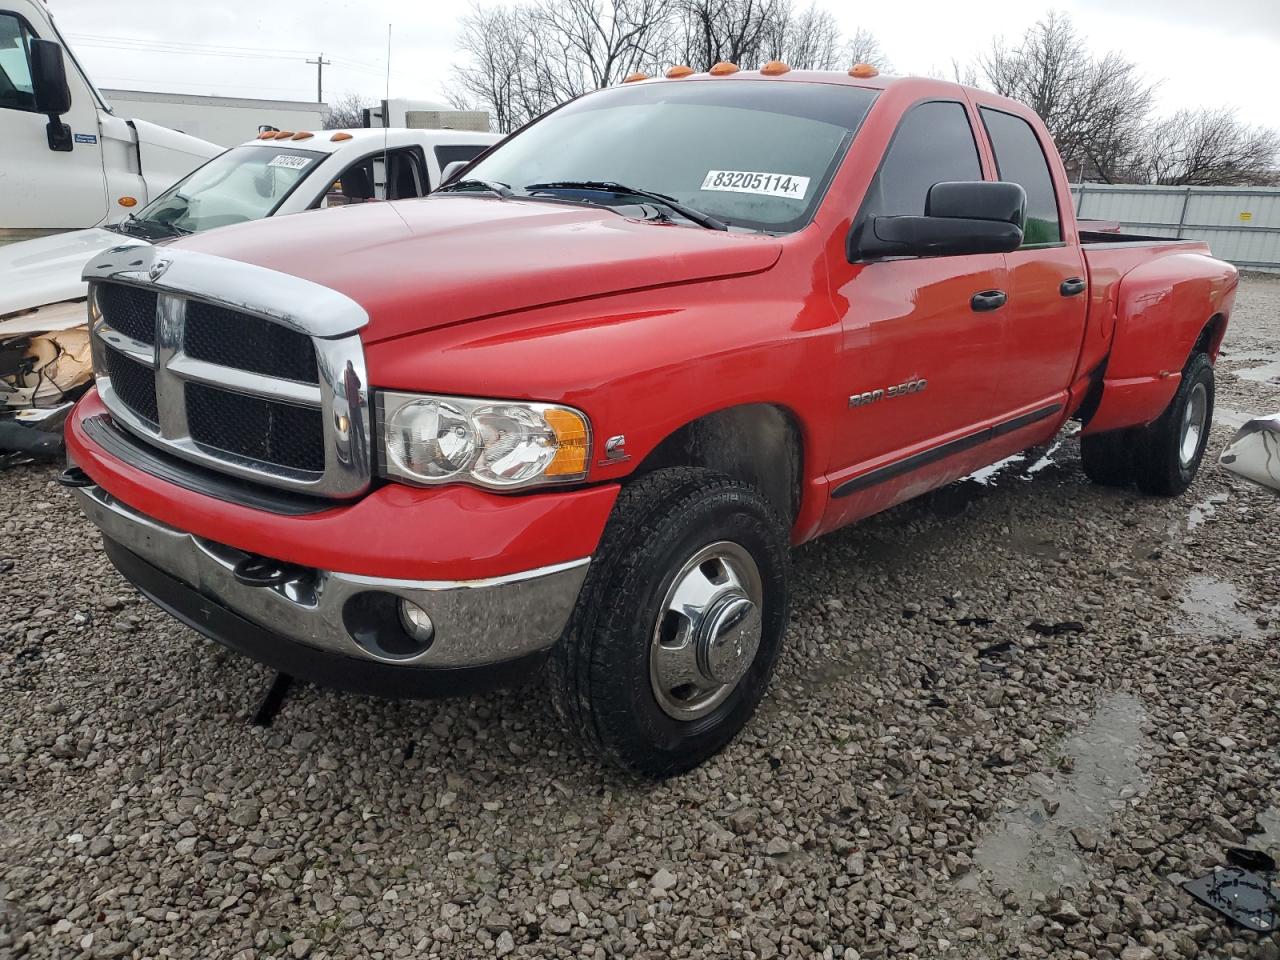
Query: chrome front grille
{"points": [[251, 385]]}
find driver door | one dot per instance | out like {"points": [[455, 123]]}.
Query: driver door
{"points": [[920, 334]]}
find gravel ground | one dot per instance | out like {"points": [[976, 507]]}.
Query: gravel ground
{"points": [[929, 777]]}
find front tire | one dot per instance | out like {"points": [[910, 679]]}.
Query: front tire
{"points": [[679, 623]]}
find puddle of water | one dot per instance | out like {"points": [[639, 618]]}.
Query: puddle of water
{"points": [[1033, 851], [1228, 417], [1267, 373], [1209, 606], [1205, 509]]}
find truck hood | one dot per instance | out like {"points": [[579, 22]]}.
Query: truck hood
{"points": [[417, 265], [179, 147], [46, 270]]}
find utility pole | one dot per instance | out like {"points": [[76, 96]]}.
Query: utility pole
{"points": [[320, 63]]}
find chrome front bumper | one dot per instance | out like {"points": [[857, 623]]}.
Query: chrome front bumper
{"points": [[477, 622]]}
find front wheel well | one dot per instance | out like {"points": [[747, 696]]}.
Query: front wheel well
{"points": [[757, 443]]}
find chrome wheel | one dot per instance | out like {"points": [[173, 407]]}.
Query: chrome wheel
{"points": [[1194, 421], [707, 631]]}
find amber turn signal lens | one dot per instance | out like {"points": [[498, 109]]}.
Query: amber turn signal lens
{"points": [[863, 71], [303, 135], [675, 73], [267, 135], [723, 69], [339, 137], [127, 202], [775, 68], [634, 77], [573, 441]]}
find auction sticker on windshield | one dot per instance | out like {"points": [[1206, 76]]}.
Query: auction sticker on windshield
{"points": [[290, 161], [765, 184]]}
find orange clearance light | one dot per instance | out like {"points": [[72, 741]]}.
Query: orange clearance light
{"points": [[572, 440], [675, 73], [775, 68], [303, 135], [863, 71], [284, 134], [267, 135], [723, 69], [127, 202], [339, 137], [634, 77]]}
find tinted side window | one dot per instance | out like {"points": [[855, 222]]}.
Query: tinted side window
{"points": [[15, 65], [446, 153], [1020, 159], [933, 143]]}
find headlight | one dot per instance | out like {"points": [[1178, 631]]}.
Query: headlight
{"points": [[493, 443]]}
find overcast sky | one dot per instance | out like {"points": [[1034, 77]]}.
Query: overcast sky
{"points": [[1224, 52]]}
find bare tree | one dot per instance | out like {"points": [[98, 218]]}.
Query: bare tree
{"points": [[863, 47], [1095, 107], [525, 58], [1202, 148], [347, 111]]}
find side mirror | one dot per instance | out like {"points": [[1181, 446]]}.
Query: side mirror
{"points": [[960, 218], [450, 168], [49, 78]]}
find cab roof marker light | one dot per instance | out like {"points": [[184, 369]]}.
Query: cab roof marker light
{"points": [[303, 135], [675, 73], [635, 77], [775, 68], [339, 136], [723, 69], [284, 134], [863, 71]]}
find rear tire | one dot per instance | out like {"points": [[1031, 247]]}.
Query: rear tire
{"points": [[1105, 458], [1168, 453], [689, 583]]}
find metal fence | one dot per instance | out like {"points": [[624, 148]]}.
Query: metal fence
{"points": [[1240, 224]]}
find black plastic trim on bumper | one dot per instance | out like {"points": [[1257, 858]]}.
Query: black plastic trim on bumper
{"points": [[304, 662], [926, 457]]}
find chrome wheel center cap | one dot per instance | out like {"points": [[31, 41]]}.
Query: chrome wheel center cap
{"points": [[728, 638]]}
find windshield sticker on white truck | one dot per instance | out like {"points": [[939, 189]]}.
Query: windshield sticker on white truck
{"points": [[764, 184], [290, 161]]}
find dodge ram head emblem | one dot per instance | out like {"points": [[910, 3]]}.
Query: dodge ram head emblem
{"points": [[158, 268], [889, 393]]}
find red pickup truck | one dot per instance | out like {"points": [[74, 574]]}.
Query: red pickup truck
{"points": [[573, 409]]}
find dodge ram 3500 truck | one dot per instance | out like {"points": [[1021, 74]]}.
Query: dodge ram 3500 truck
{"points": [[575, 406]]}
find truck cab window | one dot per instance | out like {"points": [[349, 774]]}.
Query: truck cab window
{"points": [[15, 65], [447, 153], [1020, 159], [934, 143], [370, 179]]}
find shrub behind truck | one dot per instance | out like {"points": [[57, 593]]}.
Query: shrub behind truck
{"points": [[572, 410]]}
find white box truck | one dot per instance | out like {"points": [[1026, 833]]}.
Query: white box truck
{"points": [[66, 160]]}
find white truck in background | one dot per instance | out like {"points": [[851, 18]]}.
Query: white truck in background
{"points": [[44, 355], [66, 161]]}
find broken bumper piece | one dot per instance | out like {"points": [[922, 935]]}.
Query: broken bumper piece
{"points": [[1254, 453]]}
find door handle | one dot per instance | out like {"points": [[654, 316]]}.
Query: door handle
{"points": [[988, 300], [1071, 287]]}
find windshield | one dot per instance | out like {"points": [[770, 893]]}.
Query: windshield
{"points": [[245, 183], [749, 153]]}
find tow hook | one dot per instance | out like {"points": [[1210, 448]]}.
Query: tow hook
{"points": [[74, 477], [259, 571]]}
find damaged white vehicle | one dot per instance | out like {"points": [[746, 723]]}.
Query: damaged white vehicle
{"points": [[1254, 452], [44, 353]]}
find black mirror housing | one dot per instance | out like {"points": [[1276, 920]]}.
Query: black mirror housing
{"points": [[978, 200], [961, 217], [49, 78]]}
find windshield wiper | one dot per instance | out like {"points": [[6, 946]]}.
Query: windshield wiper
{"points": [[146, 228], [611, 186], [493, 186]]}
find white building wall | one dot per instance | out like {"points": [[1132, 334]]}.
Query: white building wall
{"points": [[222, 120]]}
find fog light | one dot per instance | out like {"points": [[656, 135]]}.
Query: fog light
{"points": [[416, 622]]}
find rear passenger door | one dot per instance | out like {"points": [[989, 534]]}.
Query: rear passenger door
{"points": [[1044, 319]]}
